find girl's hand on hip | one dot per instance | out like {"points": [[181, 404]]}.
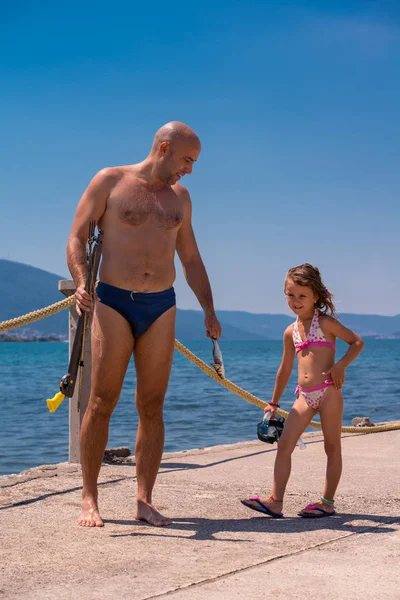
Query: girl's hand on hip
{"points": [[336, 374]]}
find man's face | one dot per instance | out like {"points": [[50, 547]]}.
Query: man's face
{"points": [[177, 159]]}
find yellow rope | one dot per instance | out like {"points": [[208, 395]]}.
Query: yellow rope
{"points": [[261, 403], [42, 313], [58, 306]]}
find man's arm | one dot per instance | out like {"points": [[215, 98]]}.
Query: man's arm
{"points": [[194, 269], [91, 207]]}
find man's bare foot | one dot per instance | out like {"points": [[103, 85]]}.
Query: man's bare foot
{"points": [[90, 516], [147, 512]]}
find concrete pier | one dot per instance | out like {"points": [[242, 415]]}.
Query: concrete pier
{"points": [[216, 548]]}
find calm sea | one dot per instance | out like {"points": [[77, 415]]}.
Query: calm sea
{"points": [[198, 411]]}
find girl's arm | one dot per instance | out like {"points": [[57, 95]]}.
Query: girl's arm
{"points": [[356, 345], [284, 371]]}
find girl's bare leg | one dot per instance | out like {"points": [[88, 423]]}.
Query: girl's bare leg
{"points": [[331, 411], [296, 422]]}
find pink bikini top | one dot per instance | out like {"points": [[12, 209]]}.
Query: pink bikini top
{"points": [[315, 336]]}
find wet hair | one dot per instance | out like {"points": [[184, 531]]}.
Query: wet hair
{"points": [[309, 276]]}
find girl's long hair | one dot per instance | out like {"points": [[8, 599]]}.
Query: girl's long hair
{"points": [[309, 276]]}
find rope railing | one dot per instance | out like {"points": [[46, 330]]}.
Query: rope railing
{"points": [[36, 315], [63, 304], [261, 403]]}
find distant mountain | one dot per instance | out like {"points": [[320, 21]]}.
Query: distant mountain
{"points": [[265, 325], [24, 288], [272, 326], [190, 326], [372, 325]]}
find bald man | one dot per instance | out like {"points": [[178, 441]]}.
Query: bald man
{"points": [[146, 216]]}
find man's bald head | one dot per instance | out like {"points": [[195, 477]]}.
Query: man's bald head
{"points": [[175, 149], [173, 133]]}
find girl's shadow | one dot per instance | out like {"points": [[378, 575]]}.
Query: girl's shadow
{"points": [[206, 529]]}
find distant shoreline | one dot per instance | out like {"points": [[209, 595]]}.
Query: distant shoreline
{"points": [[36, 338], [4, 338]]}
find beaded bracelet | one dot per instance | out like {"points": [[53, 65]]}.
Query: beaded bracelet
{"points": [[273, 404], [327, 501]]}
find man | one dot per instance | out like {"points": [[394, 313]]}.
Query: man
{"points": [[146, 216]]}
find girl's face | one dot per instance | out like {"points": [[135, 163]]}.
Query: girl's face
{"points": [[300, 298]]}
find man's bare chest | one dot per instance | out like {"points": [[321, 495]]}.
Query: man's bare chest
{"points": [[137, 206]]}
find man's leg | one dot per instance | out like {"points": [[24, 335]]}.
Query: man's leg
{"points": [[153, 358], [112, 344]]}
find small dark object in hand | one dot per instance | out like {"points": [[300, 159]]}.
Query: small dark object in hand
{"points": [[270, 430]]}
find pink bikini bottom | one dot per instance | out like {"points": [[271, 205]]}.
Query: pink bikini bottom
{"points": [[313, 395]]}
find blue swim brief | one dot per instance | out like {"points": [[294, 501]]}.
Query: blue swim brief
{"points": [[140, 309]]}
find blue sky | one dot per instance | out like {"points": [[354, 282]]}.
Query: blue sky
{"points": [[297, 106]]}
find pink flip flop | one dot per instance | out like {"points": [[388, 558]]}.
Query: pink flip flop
{"points": [[261, 507], [324, 513]]}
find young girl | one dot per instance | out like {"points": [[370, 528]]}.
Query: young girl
{"points": [[312, 338]]}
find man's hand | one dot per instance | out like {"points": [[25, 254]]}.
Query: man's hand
{"points": [[336, 373], [83, 300], [212, 325]]}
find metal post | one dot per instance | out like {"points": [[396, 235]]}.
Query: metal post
{"points": [[78, 403]]}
